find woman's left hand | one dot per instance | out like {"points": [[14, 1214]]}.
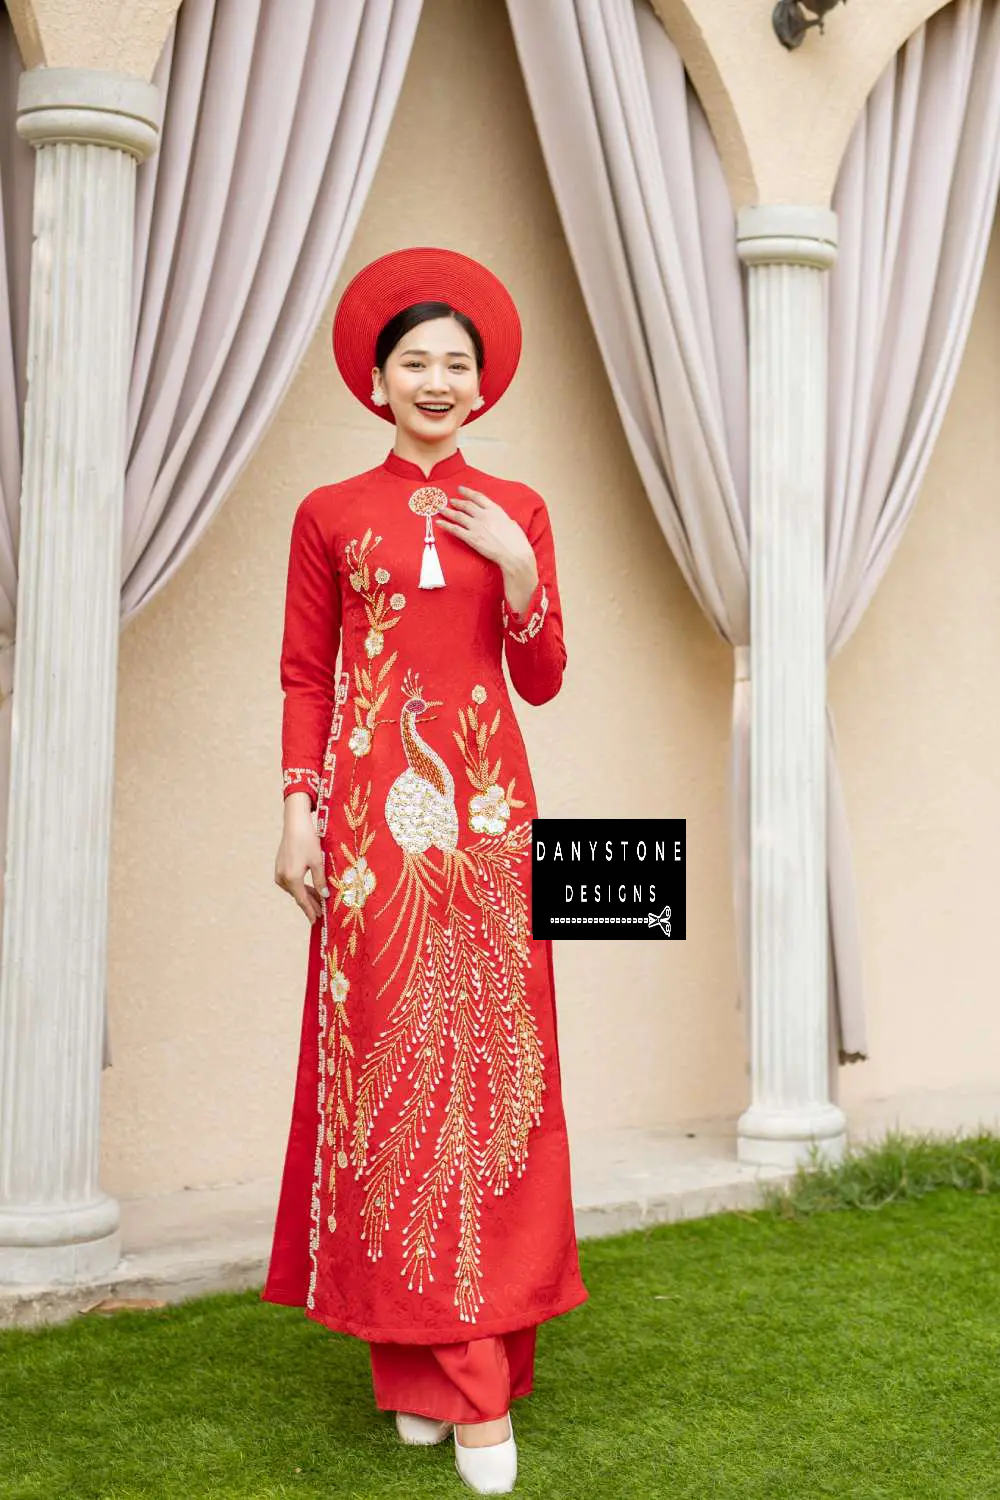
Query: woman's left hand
{"points": [[488, 528]]}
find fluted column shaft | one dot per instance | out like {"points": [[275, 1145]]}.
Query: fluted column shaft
{"points": [[788, 250], [90, 130]]}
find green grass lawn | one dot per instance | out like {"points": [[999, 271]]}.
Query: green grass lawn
{"points": [[788, 1354]]}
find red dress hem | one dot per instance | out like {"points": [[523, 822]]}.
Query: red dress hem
{"points": [[432, 1416], [454, 1334]]}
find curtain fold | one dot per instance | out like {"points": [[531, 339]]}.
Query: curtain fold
{"points": [[650, 227], [274, 121], [915, 199]]}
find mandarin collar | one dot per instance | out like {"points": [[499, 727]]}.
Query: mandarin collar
{"points": [[443, 469]]}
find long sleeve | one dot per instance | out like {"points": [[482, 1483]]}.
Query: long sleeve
{"points": [[533, 640], [308, 651]]}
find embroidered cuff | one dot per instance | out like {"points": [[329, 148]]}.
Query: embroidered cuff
{"points": [[301, 779], [521, 627]]}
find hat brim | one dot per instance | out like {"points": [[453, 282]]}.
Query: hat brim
{"points": [[422, 274]]}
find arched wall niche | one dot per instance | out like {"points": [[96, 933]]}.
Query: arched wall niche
{"points": [[782, 120]]}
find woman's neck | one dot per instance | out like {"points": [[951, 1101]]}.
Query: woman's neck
{"points": [[424, 455]]}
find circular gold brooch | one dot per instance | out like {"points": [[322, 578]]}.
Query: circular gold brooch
{"points": [[428, 500]]}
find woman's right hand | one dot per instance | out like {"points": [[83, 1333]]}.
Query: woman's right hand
{"points": [[300, 852]]}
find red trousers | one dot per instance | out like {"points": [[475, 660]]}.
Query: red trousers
{"points": [[469, 1382]]}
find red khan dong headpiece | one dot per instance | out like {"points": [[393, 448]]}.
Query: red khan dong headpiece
{"points": [[393, 282]]}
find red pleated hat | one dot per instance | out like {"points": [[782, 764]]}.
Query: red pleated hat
{"points": [[423, 274]]}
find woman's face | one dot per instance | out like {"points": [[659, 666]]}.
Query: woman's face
{"points": [[430, 379]]}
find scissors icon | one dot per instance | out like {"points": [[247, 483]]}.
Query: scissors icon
{"points": [[662, 921]]}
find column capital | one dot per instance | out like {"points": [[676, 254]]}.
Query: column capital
{"points": [[788, 234], [89, 107]]}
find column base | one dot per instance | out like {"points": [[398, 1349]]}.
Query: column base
{"points": [[783, 1137], [75, 1242]]}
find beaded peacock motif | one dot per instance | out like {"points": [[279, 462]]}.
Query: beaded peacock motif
{"points": [[402, 1118]]}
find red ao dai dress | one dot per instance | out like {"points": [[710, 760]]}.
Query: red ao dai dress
{"points": [[426, 1195]]}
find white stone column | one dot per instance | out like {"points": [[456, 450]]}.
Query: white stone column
{"points": [[90, 130], [788, 250]]}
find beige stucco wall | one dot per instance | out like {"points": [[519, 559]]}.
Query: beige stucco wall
{"points": [[122, 36], [207, 958], [918, 715], [781, 119]]}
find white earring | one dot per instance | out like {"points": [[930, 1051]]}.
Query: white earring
{"points": [[478, 403], [379, 398]]}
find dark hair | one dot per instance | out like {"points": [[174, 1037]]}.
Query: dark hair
{"points": [[422, 312]]}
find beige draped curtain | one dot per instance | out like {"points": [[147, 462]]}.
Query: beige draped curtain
{"points": [[275, 117], [649, 224], [916, 198]]}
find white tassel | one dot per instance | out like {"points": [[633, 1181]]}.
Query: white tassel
{"points": [[431, 576]]}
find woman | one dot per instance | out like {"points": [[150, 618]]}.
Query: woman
{"points": [[425, 1204]]}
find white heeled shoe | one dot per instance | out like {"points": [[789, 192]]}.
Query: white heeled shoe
{"points": [[488, 1471], [423, 1430]]}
